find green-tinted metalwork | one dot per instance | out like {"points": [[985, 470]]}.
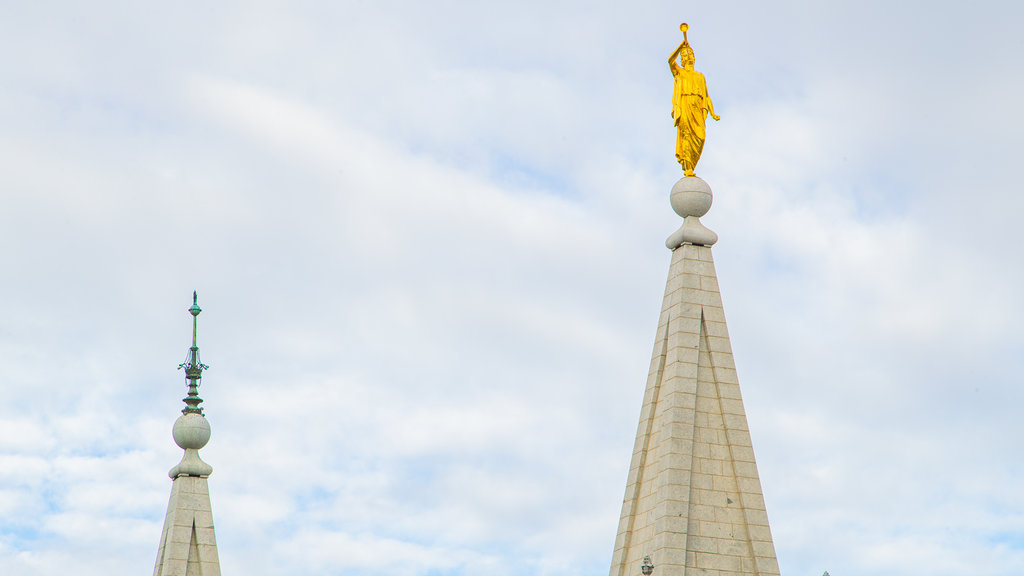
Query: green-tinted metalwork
{"points": [[193, 367]]}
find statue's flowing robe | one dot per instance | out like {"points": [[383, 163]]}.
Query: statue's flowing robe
{"points": [[689, 111]]}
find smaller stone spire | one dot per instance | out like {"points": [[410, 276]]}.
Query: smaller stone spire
{"points": [[188, 546]]}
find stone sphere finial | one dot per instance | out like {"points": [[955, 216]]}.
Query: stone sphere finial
{"points": [[191, 431], [691, 198]]}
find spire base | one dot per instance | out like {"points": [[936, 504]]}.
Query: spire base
{"points": [[191, 465], [691, 232]]}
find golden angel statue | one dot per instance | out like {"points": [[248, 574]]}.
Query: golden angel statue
{"points": [[690, 105]]}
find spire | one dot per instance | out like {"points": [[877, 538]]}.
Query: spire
{"points": [[193, 367], [693, 502], [188, 546]]}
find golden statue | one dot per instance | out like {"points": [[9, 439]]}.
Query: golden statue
{"points": [[690, 105]]}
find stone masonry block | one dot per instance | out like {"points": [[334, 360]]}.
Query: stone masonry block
{"points": [[677, 469], [702, 450], [205, 536], [175, 568], [709, 435], [714, 421], [767, 566], [679, 338], [738, 437], [701, 481], [701, 496], [716, 529], [719, 344], [672, 468], [680, 355], [702, 512], [707, 405], [730, 406], [713, 313], [676, 445], [683, 430], [729, 515], [735, 422], [722, 359], [701, 544], [680, 310], [726, 485], [183, 518], [727, 380], [181, 533], [704, 269], [716, 329], [745, 469], [756, 517], [753, 501], [713, 467], [675, 525], [709, 283], [207, 553], [705, 298], [718, 562], [706, 388], [671, 509], [684, 280], [675, 493], [682, 370], [719, 452], [681, 396], [743, 454], [672, 555], [748, 485], [667, 570], [759, 533], [733, 548]]}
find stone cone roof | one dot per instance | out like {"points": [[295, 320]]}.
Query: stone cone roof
{"points": [[188, 546], [693, 502]]}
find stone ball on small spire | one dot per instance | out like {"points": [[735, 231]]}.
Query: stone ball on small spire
{"points": [[191, 431]]}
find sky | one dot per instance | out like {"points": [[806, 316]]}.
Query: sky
{"points": [[428, 240]]}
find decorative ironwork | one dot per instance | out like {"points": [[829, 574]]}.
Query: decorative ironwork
{"points": [[192, 365], [647, 567]]}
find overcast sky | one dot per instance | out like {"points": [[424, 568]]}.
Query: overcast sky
{"points": [[428, 239]]}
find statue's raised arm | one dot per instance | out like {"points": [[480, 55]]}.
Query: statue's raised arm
{"points": [[690, 105]]}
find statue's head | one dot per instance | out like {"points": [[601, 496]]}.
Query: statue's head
{"points": [[686, 56]]}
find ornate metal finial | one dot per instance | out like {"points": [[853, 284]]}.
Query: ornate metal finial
{"points": [[647, 567], [193, 367]]}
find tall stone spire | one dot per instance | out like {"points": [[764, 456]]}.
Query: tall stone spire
{"points": [[693, 503], [188, 546]]}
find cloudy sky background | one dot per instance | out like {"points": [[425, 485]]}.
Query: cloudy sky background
{"points": [[428, 240]]}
